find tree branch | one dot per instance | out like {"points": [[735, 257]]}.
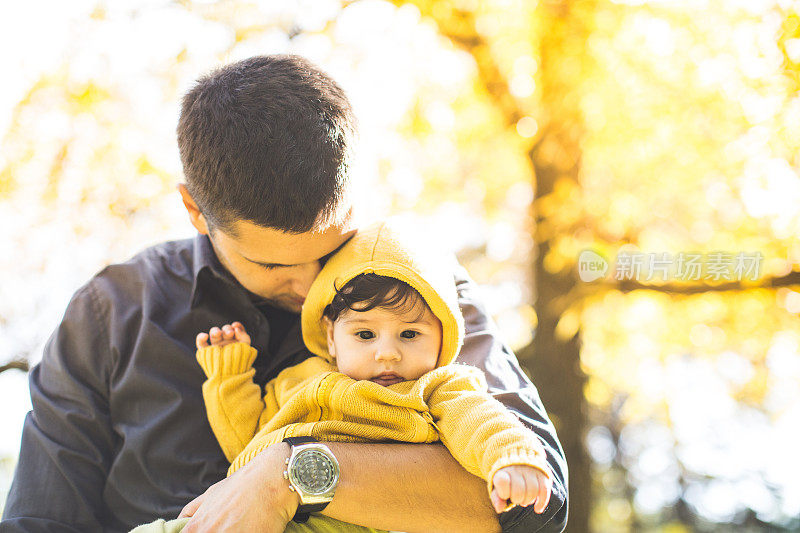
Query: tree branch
{"points": [[793, 278], [18, 364]]}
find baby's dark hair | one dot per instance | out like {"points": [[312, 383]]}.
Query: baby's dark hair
{"points": [[372, 290]]}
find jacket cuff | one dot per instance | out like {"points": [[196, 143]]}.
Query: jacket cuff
{"points": [[231, 359]]}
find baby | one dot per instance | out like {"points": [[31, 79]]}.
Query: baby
{"points": [[390, 337], [383, 321]]}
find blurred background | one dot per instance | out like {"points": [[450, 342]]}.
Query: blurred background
{"points": [[520, 134]]}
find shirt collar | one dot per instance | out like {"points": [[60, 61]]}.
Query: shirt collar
{"points": [[206, 268]]}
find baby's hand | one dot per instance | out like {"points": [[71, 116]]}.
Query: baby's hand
{"points": [[221, 336], [521, 485]]}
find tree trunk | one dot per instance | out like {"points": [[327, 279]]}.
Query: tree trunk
{"points": [[554, 362]]}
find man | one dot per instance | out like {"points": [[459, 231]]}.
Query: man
{"points": [[118, 434]]}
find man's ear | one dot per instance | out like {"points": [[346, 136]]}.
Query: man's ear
{"points": [[195, 215], [326, 322]]}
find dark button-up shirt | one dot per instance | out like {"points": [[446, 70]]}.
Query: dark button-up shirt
{"points": [[118, 434]]}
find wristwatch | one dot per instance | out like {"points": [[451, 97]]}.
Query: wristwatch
{"points": [[313, 472]]}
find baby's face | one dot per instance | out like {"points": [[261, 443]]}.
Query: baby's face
{"points": [[385, 345]]}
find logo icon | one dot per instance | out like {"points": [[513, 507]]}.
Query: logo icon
{"points": [[591, 266]]}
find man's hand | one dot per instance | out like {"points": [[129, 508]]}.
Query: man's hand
{"points": [[256, 498], [520, 485]]}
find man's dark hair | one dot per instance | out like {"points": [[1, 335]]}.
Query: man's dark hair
{"points": [[370, 290], [267, 140]]}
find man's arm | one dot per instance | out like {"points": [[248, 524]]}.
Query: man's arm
{"points": [[407, 487], [67, 439]]}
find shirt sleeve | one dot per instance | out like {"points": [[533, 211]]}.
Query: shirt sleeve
{"points": [[484, 349], [67, 441]]}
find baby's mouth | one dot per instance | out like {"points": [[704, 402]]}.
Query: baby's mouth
{"points": [[387, 378]]}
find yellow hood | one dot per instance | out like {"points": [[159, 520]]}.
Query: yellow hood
{"points": [[386, 251]]}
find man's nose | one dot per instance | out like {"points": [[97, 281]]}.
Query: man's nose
{"points": [[304, 277]]}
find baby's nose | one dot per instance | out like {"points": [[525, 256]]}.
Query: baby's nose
{"points": [[387, 352]]}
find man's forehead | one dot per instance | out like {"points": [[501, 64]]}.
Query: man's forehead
{"points": [[273, 247]]}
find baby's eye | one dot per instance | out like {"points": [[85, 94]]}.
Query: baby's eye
{"points": [[409, 334], [365, 335]]}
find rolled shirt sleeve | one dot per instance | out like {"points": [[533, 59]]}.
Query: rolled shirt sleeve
{"points": [[67, 440], [484, 348]]}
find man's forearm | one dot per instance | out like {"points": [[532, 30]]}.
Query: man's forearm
{"points": [[409, 487]]}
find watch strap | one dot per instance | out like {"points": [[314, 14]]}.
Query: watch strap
{"points": [[295, 441], [304, 511]]}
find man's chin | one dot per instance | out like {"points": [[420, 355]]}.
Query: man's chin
{"points": [[295, 306], [288, 303]]}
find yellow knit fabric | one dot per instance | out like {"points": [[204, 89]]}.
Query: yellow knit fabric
{"points": [[449, 404]]}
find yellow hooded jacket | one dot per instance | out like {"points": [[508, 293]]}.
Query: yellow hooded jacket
{"points": [[449, 403]]}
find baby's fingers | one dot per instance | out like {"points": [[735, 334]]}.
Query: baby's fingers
{"points": [[216, 335], [517, 488], [240, 334], [498, 503], [227, 332], [502, 484], [531, 487], [201, 340], [543, 496]]}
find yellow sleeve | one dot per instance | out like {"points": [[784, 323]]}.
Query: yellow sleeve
{"points": [[235, 407], [300, 409], [233, 400], [479, 431], [288, 383]]}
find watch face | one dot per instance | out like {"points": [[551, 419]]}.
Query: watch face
{"points": [[314, 471]]}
